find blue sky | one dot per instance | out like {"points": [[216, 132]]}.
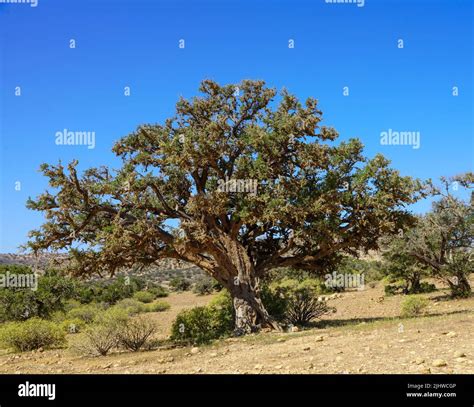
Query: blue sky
{"points": [[135, 44]]}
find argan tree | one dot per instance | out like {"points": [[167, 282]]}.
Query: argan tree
{"points": [[442, 241], [239, 182]]}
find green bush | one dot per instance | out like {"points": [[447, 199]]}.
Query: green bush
{"points": [[131, 305], [108, 292], [413, 306], [86, 313], [32, 334], [72, 326], [135, 334], [180, 284], [158, 306], [144, 296], [203, 286], [21, 303], [158, 291], [295, 301], [204, 324], [104, 334]]}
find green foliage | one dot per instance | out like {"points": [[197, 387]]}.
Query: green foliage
{"points": [[158, 306], [131, 306], [413, 306], [204, 286], [312, 199], [295, 301], [100, 337], [72, 326], [86, 313], [144, 296], [108, 292], [204, 324], [180, 284], [158, 291], [32, 334], [21, 303], [440, 244]]}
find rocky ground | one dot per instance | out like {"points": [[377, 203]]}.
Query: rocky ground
{"points": [[365, 335]]}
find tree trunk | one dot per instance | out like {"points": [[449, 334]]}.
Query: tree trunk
{"points": [[243, 285], [460, 287], [250, 313]]}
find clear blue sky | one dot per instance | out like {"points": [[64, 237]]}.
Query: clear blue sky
{"points": [[135, 43]]}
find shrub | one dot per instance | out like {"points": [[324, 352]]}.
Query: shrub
{"points": [[32, 334], [86, 313], [135, 333], [426, 287], [158, 291], [413, 305], [158, 306], [180, 284], [295, 302], [131, 305], [103, 335], [204, 324], [144, 296], [72, 326], [203, 286], [21, 303]]}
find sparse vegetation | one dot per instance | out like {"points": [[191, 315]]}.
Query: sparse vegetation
{"points": [[135, 333], [204, 324], [144, 296], [32, 334], [180, 284], [158, 306], [204, 286], [413, 306]]}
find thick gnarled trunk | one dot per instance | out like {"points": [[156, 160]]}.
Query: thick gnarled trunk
{"points": [[250, 313]]}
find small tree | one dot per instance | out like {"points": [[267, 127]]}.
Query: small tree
{"points": [[443, 240], [253, 184]]}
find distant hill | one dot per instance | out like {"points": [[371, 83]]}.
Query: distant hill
{"points": [[161, 272]]}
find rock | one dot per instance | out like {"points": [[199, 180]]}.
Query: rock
{"points": [[213, 354], [419, 361], [281, 340], [194, 351], [199, 370], [319, 338], [461, 360], [451, 334], [258, 367], [294, 329], [439, 363], [459, 354], [307, 348], [338, 358], [41, 349]]}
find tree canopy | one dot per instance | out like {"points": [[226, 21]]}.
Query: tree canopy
{"points": [[241, 180]]}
